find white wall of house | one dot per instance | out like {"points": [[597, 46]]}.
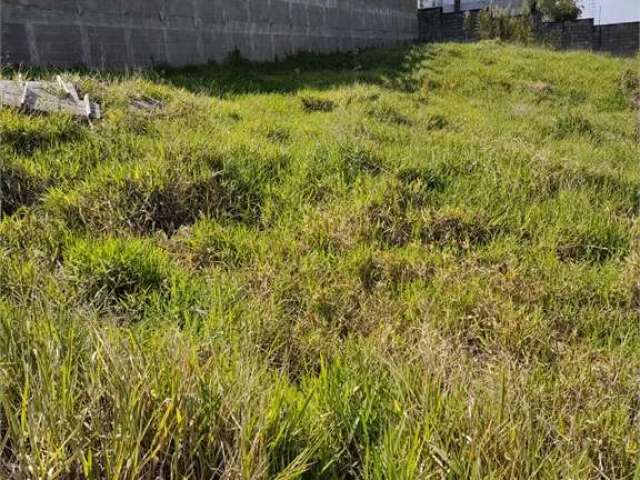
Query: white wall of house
{"points": [[447, 5], [602, 11]]}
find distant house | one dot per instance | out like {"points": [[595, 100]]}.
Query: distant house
{"points": [[452, 5], [603, 12]]}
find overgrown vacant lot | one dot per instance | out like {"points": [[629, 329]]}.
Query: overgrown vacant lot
{"points": [[412, 263]]}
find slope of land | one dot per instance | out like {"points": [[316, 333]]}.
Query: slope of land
{"points": [[412, 263]]}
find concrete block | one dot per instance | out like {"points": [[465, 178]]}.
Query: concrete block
{"points": [[15, 46], [242, 43], [51, 5], [59, 45], [299, 15], [211, 11], [280, 13], [236, 11], [108, 47], [282, 45], [262, 48], [148, 11], [180, 9], [148, 48], [217, 45], [315, 16], [183, 48]]}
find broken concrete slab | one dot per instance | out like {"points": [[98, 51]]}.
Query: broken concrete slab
{"points": [[40, 96]]}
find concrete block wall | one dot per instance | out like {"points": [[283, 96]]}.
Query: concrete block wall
{"points": [[453, 27], [619, 39], [577, 35], [430, 25], [434, 25], [119, 34]]}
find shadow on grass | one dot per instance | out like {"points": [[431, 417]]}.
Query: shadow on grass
{"points": [[391, 68]]}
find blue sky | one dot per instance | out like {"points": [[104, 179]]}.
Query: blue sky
{"points": [[612, 11]]}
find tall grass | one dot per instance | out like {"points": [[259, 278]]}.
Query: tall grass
{"points": [[409, 263]]}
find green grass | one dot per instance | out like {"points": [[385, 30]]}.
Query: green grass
{"points": [[410, 263]]}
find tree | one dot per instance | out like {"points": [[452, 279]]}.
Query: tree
{"points": [[558, 10]]}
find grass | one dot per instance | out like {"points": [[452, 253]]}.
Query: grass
{"points": [[410, 263]]}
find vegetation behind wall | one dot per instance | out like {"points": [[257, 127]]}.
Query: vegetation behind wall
{"points": [[620, 39]]}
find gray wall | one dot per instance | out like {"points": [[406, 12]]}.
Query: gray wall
{"points": [[576, 35], [116, 34], [618, 39], [622, 38]]}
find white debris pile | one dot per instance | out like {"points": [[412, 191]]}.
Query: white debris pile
{"points": [[38, 96]]}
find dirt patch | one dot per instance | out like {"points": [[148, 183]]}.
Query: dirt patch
{"points": [[357, 159], [148, 105], [585, 252], [437, 122], [388, 114], [597, 245], [540, 88], [454, 229], [278, 135], [316, 104], [387, 271], [145, 205], [387, 222]]}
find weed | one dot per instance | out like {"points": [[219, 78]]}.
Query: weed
{"points": [[116, 270], [573, 124]]}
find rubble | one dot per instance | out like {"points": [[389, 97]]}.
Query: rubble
{"points": [[41, 96]]}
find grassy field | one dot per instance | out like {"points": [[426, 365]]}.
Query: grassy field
{"points": [[411, 263]]}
